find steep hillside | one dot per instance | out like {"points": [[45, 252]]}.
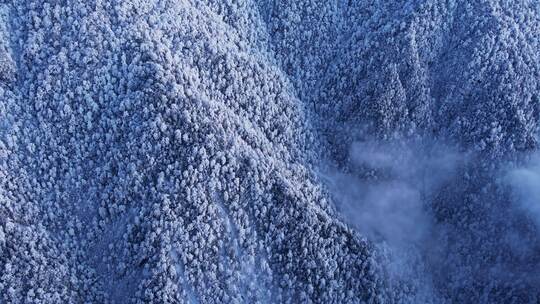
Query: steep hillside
{"points": [[184, 151]]}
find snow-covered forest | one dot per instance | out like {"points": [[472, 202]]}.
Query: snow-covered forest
{"points": [[269, 151]]}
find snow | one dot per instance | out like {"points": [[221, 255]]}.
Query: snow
{"points": [[254, 151]]}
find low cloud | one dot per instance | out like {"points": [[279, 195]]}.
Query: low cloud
{"points": [[385, 196], [525, 184]]}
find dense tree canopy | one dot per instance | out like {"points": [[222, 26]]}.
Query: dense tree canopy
{"points": [[171, 151]]}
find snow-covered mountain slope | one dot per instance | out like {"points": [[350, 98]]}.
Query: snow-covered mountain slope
{"points": [[183, 151]]}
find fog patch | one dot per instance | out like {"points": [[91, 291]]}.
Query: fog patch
{"points": [[524, 181], [384, 194]]}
